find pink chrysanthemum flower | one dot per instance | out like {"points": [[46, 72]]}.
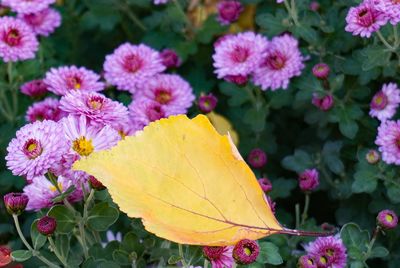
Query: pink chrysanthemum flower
{"points": [[97, 108], [329, 251], [391, 9], [48, 109], [220, 257], [130, 65], [364, 19], [43, 22], [280, 62], [159, 2], [142, 112], [41, 192], [170, 91], [67, 78], [387, 219], [388, 140], [34, 88], [27, 6], [238, 55], [385, 102], [17, 41], [37, 148]]}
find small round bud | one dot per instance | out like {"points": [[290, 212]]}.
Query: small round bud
{"points": [[309, 180], [16, 203], [321, 71], [5, 256], [236, 79], [207, 103], [257, 158], [95, 184], [372, 157], [323, 103], [34, 88], [306, 261], [265, 184], [314, 6], [387, 219], [47, 225], [328, 227], [246, 251], [379, 101], [170, 59], [229, 11]]}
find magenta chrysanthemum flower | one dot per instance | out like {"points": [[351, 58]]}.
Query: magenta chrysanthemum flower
{"points": [[364, 19], [391, 9], [280, 62], [17, 41], [170, 59], [265, 184], [27, 6], [324, 103], [306, 261], [41, 192], [328, 250], [170, 91], [220, 257], [309, 180], [15, 203], [48, 109], [246, 251], [97, 108], [387, 219], [43, 22], [388, 140], [207, 103], [34, 88], [129, 65], [257, 158], [142, 112], [384, 104], [67, 78], [321, 70], [229, 11], [159, 2], [238, 55], [37, 148]]}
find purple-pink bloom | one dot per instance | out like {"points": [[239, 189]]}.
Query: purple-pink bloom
{"points": [[257, 158], [170, 91], [324, 103], [388, 140], [246, 251], [47, 225], [265, 184], [306, 261], [280, 62], [364, 19], [97, 108], [237, 79], [219, 257], [131, 65], [387, 219], [321, 70], [207, 103], [67, 78], [43, 22], [309, 180], [159, 2], [391, 9], [328, 250], [385, 102], [229, 11], [15, 203], [238, 54], [36, 148], [17, 41], [170, 59], [48, 109], [27, 6], [143, 112], [34, 88]]}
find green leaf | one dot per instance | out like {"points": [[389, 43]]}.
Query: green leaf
{"points": [[64, 195], [365, 181], [331, 156], [237, 95], [121, 257], [21, 255], [269, 253], [355, 239], [131, 243], [282, 188], [65, 219], [174, 259], [393, 192], [374, 56], [306, 33], [62, 243], [271, 24], [38, 240], [298, 162], [349, 128], [256, 118], [102, 216], [379, 252]]}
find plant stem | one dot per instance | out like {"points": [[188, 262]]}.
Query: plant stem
{"points": [[396, 36], [183, 14], [82, 234], [34, 252], [297, 208], [292, 11], [205, 263], [385, 42], [371, 243], [126, 8], [184, 264], [305, 211], [61, 258]]}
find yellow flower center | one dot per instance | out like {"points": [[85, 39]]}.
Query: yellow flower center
{"points": [[323, 260], [54, 189], [31, 147], [389, 218], [247, 251], [83, 146]]}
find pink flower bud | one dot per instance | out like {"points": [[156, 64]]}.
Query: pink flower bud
{"points": [[265, 184], [15, 203], [34, 88], [372, 157], [309, 180], [246, 251], [387, 219], [207, 103], [170, 59], [47, 225], [324, 103], [321, 70], [257, 158], [229, 11]]}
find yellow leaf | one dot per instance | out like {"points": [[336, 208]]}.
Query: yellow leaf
{"points": [[223, 126], [187, 182]]}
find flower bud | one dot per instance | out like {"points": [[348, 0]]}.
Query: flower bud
{"points": [[212, 253], [47, 225], [207, 103], [246, 251], [95, 184], [321, 71], [324, 103], [372, 157], [34, 88], [15, 203], [236, 79], [309, 180], [229, 11], [265, 184], [387, 219], [328, 227], [306, 261], [314, 6], [257, 158], [170, 59], [5, 256]]}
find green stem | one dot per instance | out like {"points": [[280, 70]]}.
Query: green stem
{"points": [[55, 250], [292, 11], [126, 8], [183, 14], [396, 36], [385, 42], [305, 210], [205, 263], [297, 208], [371, 243], [184, 264], [28, 246], [82, 235]]}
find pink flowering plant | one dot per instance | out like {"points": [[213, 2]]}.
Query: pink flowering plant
{"points": [[310, 88]]}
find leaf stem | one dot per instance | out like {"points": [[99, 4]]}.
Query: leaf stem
{"points": [[372, 242], [126, 8], [297, 208], [205, 263], [55, 250], [183, 14], [385, 42], [305, 210], [180, 248], [292, 11]]}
